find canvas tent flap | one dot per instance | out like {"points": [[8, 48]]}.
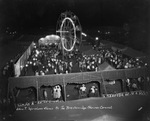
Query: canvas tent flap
{"points": [[24, 82], [112, 75], [135, 73], [50, 80]]}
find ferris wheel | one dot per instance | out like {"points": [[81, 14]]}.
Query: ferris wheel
{"points": [[69, 30]]}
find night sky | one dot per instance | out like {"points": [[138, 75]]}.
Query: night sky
{"points": [[34, 13]]}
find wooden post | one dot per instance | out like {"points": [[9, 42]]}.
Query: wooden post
{"points": [[14, 99], [100, 86], [17, 93], [64, 85], [123, 85], [103, 84], [8, 91], [37, 91]]}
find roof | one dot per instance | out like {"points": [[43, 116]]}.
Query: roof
{"points": [[49, 39], [105, 67], [125, 50], [132, 53]]}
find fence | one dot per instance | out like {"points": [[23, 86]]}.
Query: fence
{"points": [[18, 66]]}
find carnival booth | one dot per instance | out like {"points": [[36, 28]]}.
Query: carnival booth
{"points": [[49, 39]]}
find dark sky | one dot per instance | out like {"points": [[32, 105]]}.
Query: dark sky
{"points": [[35, 13]]}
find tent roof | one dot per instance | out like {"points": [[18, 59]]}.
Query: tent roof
{"points": [[133, 53], [105, 67], [125, 50]]}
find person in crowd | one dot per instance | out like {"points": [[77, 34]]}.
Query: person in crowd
{"points": [[128, 85], [134, 85], [140, 83], [93, 91], [57, 92], [45, 95], [83, 91]]}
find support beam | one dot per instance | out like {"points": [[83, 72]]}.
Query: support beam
{"points": [[123, 85], [37, 91], [103, 84], [64, 87]]}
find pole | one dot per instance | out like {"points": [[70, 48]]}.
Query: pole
{"points": [[8, 91], [103, 84], [37, 91], [64, 85], [123, 85]]}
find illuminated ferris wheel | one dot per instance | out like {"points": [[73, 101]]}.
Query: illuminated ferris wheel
{"points": [[69, 30]]}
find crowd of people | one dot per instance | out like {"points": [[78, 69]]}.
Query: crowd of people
{"points": [[139, 83], [115, 59], [50, 60], [83, 91]]}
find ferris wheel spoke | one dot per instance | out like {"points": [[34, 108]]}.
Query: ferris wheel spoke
{"points": [[68, 25], [65, 28], [71, 37], [68, 45], [72, 30]]}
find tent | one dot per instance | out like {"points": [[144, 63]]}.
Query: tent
{"points": [[49, 39], [84, 77], [105, 67], [133, 53]]}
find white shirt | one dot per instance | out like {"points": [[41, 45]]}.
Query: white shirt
{"points": [[45, 94], [57, 92], [92, 90], [83, 89]]}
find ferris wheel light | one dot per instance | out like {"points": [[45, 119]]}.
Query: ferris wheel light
{"points": [[96, 38], [84, 34], [75, 16]]}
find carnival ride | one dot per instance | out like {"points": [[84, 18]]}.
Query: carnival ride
{"points": [[70, 31]]}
